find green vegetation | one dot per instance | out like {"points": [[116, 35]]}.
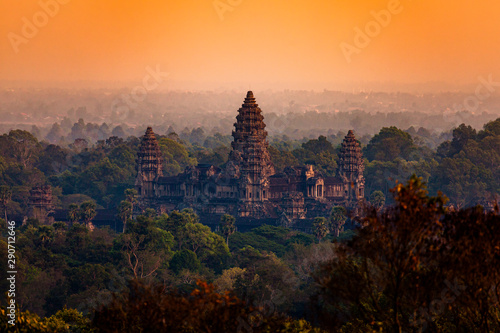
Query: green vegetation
{"points": [[415, 262], [466, 168], [410, 266]]}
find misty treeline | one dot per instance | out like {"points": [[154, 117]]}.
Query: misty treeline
{"points": [[412, 266], [301, 115]]}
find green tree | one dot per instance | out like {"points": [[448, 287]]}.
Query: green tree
{"points": [[176, 157], [320, 228], [337, 220], [125, 212], [131, 196], [227, 226], [88, 211], [176, 223], [144, 247], [226, 280], [388, 144], [461, 136], [139, 257], [282, 158], [25, 147], [377, 199], [5, 197], [316, 146], [45, 235], [150, 213], [74, 213], [185, 259]]}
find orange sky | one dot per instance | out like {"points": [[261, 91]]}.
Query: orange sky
{"points": [[260, 43]]}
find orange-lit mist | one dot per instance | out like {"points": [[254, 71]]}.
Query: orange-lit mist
{"points": [[254, 43]]}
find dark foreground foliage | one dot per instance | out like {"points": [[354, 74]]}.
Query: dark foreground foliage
{"points": [[416, 267], [151, 309]]}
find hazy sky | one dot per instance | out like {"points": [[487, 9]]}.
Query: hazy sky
{"points": [[254, 43]]}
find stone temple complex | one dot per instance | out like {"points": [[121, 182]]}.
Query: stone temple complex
{"points": [[247, 186]]}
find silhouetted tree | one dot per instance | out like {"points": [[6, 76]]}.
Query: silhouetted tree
{"points": [[413, 267]]}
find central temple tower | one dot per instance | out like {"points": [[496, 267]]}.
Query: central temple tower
{"points": [[149, 165], [249, 160], [351, 167]]}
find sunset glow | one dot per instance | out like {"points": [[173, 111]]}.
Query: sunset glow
{"points": [[277, 44]]}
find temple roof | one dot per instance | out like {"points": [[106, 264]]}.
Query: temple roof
{"points": [[350, 157], [149, 156]]}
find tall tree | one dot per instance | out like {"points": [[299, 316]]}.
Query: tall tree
{"points": [[88, 211], [5, 196], [320, 228], [25, 147], [388, 144], [74, 213], [389, 268], [337, 220], [227, 226], [131, 196], [125, 212]]}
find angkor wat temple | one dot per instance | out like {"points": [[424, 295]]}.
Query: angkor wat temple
{"points": [[247, 186]]}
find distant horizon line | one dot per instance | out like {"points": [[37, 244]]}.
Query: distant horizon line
{"points": [[349, 87]]}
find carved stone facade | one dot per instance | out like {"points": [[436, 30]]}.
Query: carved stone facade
{"points": [[248, 186]]}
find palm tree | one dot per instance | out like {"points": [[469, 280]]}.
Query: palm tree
{"points": [[320, 228], [337, 220], [227, 226], [125, 212], [45, 235], [5, 196], [74, 213], [88, 210]]}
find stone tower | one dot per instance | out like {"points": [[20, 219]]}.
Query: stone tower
{"points": [[40, 203], [351, 167], [249, 160], [149, 165]]}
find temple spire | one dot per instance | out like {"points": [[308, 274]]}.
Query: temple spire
{"points": [[249, 159], [149, 164], [351, 166]]}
